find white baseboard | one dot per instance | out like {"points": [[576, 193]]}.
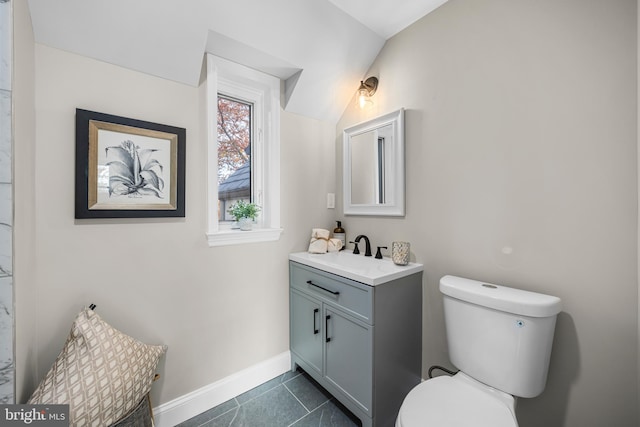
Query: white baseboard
{"points": [[191, 404]]}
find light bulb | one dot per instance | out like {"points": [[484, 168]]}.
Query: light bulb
{"points": [[363, 95], [363, 99]]}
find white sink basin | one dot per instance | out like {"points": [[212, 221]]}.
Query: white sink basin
{"points": [[367, 270]]}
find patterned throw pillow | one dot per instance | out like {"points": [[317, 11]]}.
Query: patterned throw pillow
{"points": [[101, 373]]}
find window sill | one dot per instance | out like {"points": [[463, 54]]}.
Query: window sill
{"points": [[237, 237]]}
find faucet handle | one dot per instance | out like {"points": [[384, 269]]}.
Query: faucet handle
{"points": [[378, 253], [356, 251]]}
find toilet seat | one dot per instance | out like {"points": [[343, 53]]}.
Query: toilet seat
{"points": [[458, 401]]}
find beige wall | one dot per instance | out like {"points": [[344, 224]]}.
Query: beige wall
{"points": [[219, 310], [24, 201], [521, 133]]}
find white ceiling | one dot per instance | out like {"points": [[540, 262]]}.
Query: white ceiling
{"points": [[387, 17], [320, 48]]}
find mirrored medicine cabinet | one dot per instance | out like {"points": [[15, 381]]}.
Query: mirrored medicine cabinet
{"points": [[373, 162]]}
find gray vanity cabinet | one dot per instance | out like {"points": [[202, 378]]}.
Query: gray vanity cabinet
{"points": [[305, 329], [348, 361], [362, 343]]}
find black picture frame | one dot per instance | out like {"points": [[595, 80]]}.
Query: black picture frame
{"points": [[128, 168]]}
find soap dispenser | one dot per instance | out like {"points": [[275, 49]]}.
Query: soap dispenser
{"points": [[339, 233]]}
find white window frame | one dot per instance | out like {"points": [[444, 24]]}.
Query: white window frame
{"points": [[263, 91]]}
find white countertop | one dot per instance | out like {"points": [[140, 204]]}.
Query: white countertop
{"points": [[367, 270]]}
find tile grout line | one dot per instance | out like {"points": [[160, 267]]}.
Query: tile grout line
{"points": [[281, 383], [238, 404], [296, 397], [235, 415], [264, 392], [310, 412], [223, 413]]}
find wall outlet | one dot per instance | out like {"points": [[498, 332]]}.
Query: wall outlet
{"points": [[331, 200]]}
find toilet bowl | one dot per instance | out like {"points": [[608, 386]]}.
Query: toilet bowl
{"points": [[500, 339], [457, 401]]}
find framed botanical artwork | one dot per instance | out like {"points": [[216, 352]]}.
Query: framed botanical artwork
{"points": [[127, 168]]}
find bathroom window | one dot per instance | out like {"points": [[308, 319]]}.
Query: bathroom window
{"points": [[235, 134], [243, 121]]}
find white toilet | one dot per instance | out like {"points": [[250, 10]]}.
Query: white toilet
{"points": [[500, 338]]}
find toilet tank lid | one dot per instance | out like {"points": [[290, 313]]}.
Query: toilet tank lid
{"points": [[501, 298]]}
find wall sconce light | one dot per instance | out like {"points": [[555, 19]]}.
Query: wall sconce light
{"points": [[365, 91]]}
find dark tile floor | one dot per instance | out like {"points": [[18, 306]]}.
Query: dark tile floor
{"points": [[291, 400]]}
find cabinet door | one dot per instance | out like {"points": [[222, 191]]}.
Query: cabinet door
{"points": [[306, 329], [349, 356]]}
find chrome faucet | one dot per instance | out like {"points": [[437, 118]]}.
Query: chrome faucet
{"points": [[367, 251]]}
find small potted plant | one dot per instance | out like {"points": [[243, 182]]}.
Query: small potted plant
{"points": [[244, 213]]}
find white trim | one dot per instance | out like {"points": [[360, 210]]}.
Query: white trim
{"points": [[234, 237], [264, 91], [191, 404], [395, 163], [212, 146]]}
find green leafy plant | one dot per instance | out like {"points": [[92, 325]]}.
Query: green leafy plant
{"points": [[242, 209]]}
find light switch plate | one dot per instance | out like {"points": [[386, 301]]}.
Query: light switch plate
{"points": [[331, 200]]}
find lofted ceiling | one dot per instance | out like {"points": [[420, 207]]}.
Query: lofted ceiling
{"points": [[321, 49]]}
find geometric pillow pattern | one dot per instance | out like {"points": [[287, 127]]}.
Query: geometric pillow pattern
{"points": [[101, 373]]}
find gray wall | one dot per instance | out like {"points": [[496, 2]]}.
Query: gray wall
{"points": [[521, 170]]}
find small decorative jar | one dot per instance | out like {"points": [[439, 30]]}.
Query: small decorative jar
{"points": [[400, 252]]}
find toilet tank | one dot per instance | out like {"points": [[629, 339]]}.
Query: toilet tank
{"points": [[498, 335]]}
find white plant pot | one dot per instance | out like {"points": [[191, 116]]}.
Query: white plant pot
{"points": [[245, 224]]}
